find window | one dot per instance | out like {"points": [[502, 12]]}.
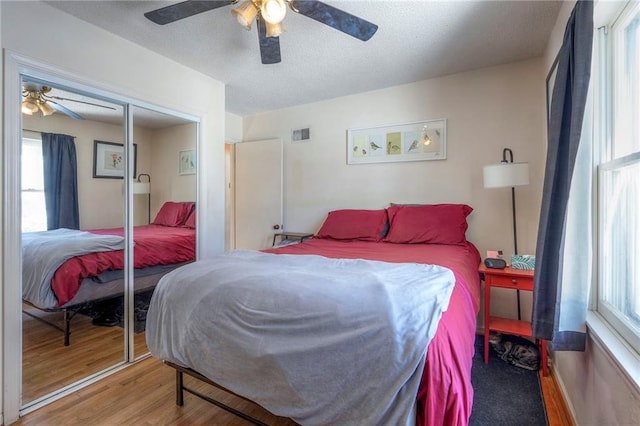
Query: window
{"points": [[619, 182], [34, 214]]}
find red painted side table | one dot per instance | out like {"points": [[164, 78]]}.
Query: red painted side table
{"points": [[516, 279]]}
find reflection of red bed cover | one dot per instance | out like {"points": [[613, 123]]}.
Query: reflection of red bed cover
{"points": [[153, 245], [445, 396]]}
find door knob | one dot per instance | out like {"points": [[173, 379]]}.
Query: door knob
{"points": [[276, 226]]}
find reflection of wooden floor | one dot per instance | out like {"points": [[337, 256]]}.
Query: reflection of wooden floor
{"points": [[144, 394], [48, 365]]}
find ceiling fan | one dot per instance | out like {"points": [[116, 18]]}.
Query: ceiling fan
{"points": [[269, 15], [36, 98]]}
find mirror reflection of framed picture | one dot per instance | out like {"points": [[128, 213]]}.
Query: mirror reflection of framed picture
{"points": [[108, 160], [187, 159]]}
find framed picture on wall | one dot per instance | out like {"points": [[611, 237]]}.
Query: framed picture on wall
{"points": [[108, 160], [187, 162], [418, 141]]}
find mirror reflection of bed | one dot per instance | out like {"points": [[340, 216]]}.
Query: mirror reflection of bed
{"points": [[85, 294]]}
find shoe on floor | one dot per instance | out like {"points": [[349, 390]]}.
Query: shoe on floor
{"points": [[105, 321]]}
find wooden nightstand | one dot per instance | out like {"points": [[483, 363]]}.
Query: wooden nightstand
{"points": [[301, 236], [516, 279]]}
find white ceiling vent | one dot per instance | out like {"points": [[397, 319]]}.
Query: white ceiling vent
{"points": [[301, 135]]}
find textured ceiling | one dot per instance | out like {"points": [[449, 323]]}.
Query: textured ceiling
{"points": [[416, 40]]}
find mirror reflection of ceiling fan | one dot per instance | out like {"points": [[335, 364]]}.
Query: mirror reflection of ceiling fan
{"points": [[268, 15], [36, 99]]}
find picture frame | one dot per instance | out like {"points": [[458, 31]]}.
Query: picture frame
{"points": [[108, 160], [416, 141], [187, 162]]}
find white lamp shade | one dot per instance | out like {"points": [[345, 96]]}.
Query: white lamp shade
{"points": [[141, 188], [506, 175]]}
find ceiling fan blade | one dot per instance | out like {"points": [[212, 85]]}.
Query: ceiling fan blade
{"points": [[336, 18], [79, 101], [65, 110], [182, 10], [269, 46]]}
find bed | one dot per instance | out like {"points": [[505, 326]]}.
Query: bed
{"points": [[425, 380], [65, 269]]}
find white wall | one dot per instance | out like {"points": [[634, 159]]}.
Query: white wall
{"points": [[125, 68], [486, 110], [100, 201], [596, 389], [167, 183], [99, 59], [233, 128]]}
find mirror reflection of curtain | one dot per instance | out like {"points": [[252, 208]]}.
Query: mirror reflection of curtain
{"points": [[60, 181]]}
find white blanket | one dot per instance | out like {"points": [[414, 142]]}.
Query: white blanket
{"points": [[44, 252], [322, 341]]}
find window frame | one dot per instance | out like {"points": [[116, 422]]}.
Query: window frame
{"points": [[609, 59]]}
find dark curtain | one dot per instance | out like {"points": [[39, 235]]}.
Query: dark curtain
{"points": [[60, 181], [565, 127]]}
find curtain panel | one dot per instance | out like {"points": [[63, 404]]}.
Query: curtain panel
{"points": [[561, 288], [60, 181]]}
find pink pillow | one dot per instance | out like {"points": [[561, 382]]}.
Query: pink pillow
{"points": [[191, 220], [434, 223], [363, 225], [173, 214]]}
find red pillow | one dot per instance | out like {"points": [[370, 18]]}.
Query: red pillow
{"points": [[434, 223], [173, 214], [363, 225], [191, 220]]}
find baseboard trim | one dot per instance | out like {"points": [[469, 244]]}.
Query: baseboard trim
{"points": [[565, 414]]}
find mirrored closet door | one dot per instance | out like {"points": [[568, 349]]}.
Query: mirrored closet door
{"points": [[72, 220], [108, 197], [164, 199]]}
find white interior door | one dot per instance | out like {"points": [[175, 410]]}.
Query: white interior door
{"points": [[258, 209]]}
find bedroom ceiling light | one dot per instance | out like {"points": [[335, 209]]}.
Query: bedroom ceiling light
{"points": [[271, 11], [245, 14], [29, 107], [45, 108]]}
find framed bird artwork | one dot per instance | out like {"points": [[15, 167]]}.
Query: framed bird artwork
{"points": [[417, 141]]}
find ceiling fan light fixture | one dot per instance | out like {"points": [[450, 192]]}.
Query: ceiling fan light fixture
{"points": [[46, 108], [274, 30], [245, 14], [273, 11], [29, 107]]}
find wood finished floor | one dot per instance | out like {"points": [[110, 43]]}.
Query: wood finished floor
{"points": [[48, 365], [144, 393]]}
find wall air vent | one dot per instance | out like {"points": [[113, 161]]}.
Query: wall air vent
{"points": [[301, 135]]}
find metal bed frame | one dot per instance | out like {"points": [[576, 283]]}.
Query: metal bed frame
{"points": [[181, 389], [71, 309]]}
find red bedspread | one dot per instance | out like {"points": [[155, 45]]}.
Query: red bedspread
{"points": [[445, 396], [153, 245]]}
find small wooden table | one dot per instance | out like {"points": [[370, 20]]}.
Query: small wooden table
{"points": [[301, 236], [516, 279]]}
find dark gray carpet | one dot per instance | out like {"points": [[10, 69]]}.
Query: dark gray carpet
{"points": [[504, 394]]}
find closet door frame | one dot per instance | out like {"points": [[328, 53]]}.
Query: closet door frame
{"points": [[16, 67]]}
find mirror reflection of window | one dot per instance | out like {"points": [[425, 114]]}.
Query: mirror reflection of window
{"points": [[34, 214]]}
